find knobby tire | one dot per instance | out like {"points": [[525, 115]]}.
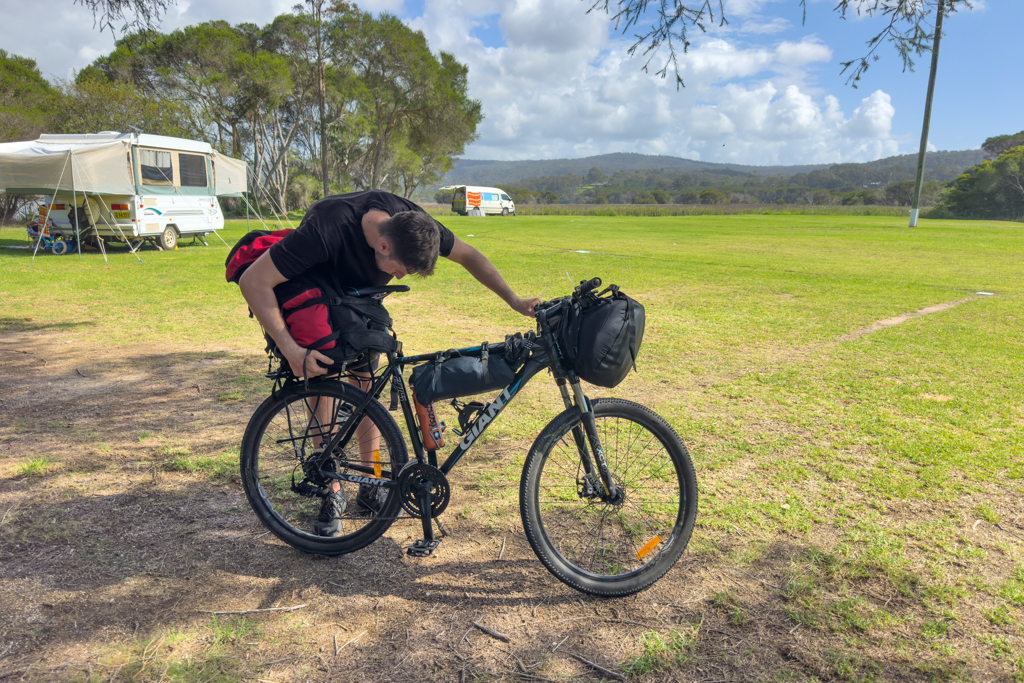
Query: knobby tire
{"points": [[593, 546], [284, 431]]}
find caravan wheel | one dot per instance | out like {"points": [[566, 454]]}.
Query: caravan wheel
{"points": [[169, 239], [504, 212]]}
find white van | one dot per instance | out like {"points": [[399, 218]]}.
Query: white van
{"points": [[489, 200], [124, 187]]}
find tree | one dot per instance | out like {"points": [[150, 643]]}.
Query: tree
{"points": [[27, 103], [991, 190], [713, 197], [900, 194], [668, 24], [411, 99], [324, 92], [27, 100], [995, 146], [94, 103]]}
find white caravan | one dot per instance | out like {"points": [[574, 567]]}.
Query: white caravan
{"points": [[123, 187], [489, 200]]}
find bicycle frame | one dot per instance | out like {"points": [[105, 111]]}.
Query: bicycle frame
{"points": [[477, 427]]}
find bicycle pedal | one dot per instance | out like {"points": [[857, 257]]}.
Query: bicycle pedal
{"points": [[422, 548]]}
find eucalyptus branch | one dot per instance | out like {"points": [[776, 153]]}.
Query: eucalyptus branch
{"points": [[909, 29], [670, 28], [132, 14]]}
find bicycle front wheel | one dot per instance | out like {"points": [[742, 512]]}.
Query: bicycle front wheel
{"points": [[283, 466], [617, 548]]}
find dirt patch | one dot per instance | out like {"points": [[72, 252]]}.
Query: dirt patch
{"points": [[132, 528], [890, 322]]}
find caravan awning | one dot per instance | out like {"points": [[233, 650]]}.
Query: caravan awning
{"points": [[229, 175], [99, 164], [44, 167]]}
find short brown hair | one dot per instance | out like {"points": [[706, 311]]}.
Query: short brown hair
{"points": [[415, 240]]}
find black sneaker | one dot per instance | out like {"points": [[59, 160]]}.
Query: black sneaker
{"points": [[371, 498], [332, 507]]}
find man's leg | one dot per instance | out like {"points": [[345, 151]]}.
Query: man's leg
{"points": [[367, 434]]}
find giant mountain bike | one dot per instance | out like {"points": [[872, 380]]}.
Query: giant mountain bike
{"points": [[608, 494]]}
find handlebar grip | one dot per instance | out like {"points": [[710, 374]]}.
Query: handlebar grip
{"points": [[587, 286]]}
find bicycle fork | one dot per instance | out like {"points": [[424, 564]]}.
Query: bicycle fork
{"points": [[597, 482]]}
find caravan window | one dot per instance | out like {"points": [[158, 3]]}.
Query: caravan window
{"points": [[155, 167], [193, 170]]}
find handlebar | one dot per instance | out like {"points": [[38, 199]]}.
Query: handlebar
{"points": [[582, 290], [587, 286]]}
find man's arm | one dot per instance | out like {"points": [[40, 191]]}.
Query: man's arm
{"points": [[257, 284], [484, 271]]}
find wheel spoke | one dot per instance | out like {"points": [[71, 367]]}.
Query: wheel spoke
{"points": [[631, 542], [286, 474]]}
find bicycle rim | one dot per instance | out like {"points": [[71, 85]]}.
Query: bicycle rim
{"points": [[282, 440], [604, 548]]}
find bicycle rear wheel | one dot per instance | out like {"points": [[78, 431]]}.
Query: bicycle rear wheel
{"points": [[601, 548], [280, 450]]}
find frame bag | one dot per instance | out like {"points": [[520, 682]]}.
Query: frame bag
{"points": [[460, 376], [601, 336]]}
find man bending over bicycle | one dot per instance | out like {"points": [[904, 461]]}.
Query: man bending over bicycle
{"points": [[357, 240]]}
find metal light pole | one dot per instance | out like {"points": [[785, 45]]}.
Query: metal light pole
{"points": [[916, 205]]}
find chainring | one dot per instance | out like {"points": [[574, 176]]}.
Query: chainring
{"points": [[412, 479]]}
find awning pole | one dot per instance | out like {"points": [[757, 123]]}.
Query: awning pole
{"points": [[92, 220], [49, 210], [118, 228]]}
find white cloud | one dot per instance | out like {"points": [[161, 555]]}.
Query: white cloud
{"points": [[873, 118], [802, 53], [562, 84], [564, 89], [552, 27], [763, 26]]}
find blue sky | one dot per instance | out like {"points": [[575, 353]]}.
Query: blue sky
{"points": [[556, 82]]}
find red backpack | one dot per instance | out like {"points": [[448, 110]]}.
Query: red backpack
{"points": [[250, 248], [318, 317]]}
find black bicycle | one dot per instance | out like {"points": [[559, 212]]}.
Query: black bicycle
{"points": [[608, 494]]}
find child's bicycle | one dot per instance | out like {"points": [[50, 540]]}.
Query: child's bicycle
{"points": [[59, 245], [608, 494]]}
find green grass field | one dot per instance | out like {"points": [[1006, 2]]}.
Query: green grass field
{"points": [[891, 457]]}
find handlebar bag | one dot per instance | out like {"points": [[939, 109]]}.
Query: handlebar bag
{"points": [[462, 376], [600, 337]]}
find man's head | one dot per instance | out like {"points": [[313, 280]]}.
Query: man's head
{"points": [[414, 242]]}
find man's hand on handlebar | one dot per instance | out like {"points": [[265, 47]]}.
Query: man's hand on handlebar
{"points": [[525, 306]]}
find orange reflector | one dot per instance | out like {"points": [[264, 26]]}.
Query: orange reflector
{"points": [[376, 463], [118, 207], [648, 547]]}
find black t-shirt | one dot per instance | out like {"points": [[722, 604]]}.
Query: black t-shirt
{"points": [[330, 240]]}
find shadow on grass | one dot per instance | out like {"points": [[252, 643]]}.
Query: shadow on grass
{"points": [[27, 325]]}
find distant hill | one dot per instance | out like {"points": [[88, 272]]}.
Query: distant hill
{"points": [[483, 172], [940, 166]]}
